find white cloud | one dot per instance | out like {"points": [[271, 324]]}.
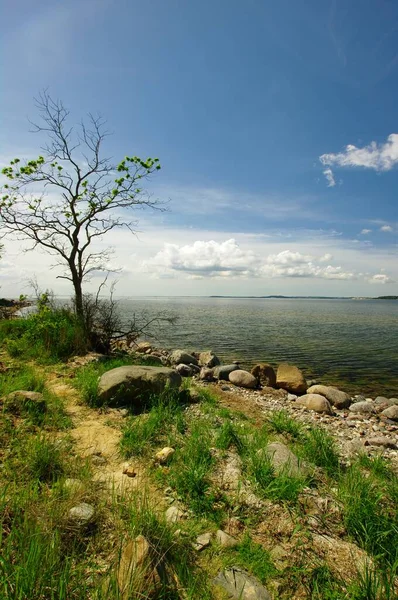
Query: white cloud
{"points": [[387, 228], [380, 278], [330, 177], [365, 231], [379, 157], [210, 259], [226, 259]]}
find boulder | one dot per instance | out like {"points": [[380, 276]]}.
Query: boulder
{"points": [[134, 385], [208, 359], [391, 413], [265, 374], [243, 379], [336, 397], [363, 408], [184, 370], [182, 356], [381, 400], [206, 374], [223, 371], [290, 378], [240, 585], [22, 401], [344, 559], [283, 459], [315, 402], [143, 347]]}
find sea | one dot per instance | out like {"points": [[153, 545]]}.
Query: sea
{"points": [[345, 342]]}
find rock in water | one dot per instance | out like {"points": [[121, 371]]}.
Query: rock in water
{"points": [[135, 385], [223, 371], [336, 397], [208, 359], [243, 379], [315, 402], [265, 374], [240, 585], [182, 356], [290, 378]]}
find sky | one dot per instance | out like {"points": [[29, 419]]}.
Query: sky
{"points": [[276, 125]]}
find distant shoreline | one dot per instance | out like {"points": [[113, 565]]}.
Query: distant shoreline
{"points": [[311, 297]]}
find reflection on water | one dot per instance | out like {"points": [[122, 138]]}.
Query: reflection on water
{"points": [[350, 341]]}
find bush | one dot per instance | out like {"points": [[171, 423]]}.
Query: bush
{"points": [[54, 334]]}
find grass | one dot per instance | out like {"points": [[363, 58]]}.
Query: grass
{"points": [[320, 449], [162, 423], [281, 422], [190, 470], [253, 557], [47, 336], [369, 514]]}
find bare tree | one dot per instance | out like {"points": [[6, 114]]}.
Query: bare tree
{"points": [[71, 196]]}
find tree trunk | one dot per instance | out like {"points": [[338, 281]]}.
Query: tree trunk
{"points": [[77, 284]]}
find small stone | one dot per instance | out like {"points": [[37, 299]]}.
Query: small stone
{"points": [[225, 540], [382, 442], [124, 412], [225, 388], [82, 513], [174, 514], [291, 397], [164, 455], [74, 486], [240, 585], [130, 470], [98, 460], [202, 541], [381, 400]]}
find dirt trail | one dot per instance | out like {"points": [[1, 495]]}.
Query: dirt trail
{"points": [[96, 435]]}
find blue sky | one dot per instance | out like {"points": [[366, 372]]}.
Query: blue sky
{"points": [[273, 121]]}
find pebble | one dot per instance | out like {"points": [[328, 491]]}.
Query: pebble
{"points": [[82, 513]]}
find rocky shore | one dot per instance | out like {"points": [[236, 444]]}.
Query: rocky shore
{"points": [[358, 423]]}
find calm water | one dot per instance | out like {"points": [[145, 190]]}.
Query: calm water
{"points": [[354, 342]]}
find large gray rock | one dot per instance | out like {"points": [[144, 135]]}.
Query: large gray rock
{"points": [[290, 378], [283, 459], [135, 385], [363, 408], [208, 359], [243, 379], [182, 356], [240, 585], [336, 397], [223, 371], [391, 413], [315, 402], [184, 370], [265, 374]]}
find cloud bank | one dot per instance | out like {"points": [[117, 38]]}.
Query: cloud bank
{"points": [[226, 259]]}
